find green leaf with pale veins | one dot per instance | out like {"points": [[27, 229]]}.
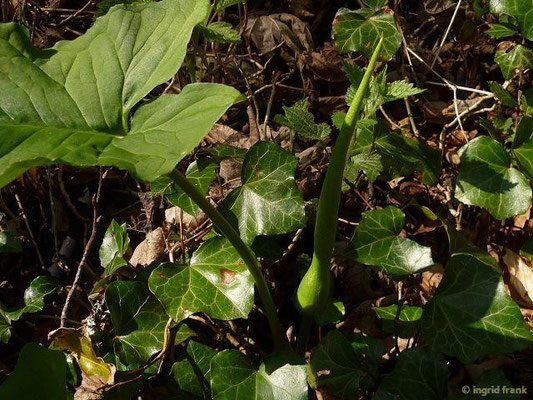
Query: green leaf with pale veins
{"points": [[40, 373], [502, 94], [298, 118], [200, 173], [216, 282], [336, 366], [268, 202], [221, 32], [523, 145], [419, 374], [471, 314], [235, 377], [369, 163], [72, 104], [113, 248], [522, 10], [519, 58], [487, 179], [377, 242], [405, 324], [193, 373], [139, 321], [360, 30], [501, 30]]}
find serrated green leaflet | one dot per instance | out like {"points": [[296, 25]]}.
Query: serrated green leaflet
{"points": [[40, 373], [113, 248], [336, 366], [487, 179], [360, 30], [520, 9], [138, 319], [216, 282], [503, 95], [193, 373], [34, 296], [72, 104], [268, 202], [200, 173], [234, 377], [519, 58], [419, 374], [377, 242], [369, 163], [298, 118], [471, 314], [221, 32], [221, 4]]}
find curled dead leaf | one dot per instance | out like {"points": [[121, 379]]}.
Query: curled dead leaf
{"points": [[149, 249], [520, 278]]}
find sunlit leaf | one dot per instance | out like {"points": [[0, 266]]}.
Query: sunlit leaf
{"points": [[377, 242], [216, 282], [113, 248], [520, 9], [193, 372], [487, 179], [221, 32], [268, 202], [34, 296], [519, 58], [298, 118]]}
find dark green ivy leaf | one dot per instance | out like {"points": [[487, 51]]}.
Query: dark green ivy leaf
{"points": [[193, 372], [216, 282], [113, 248], [519, 58], [471, 314], [200, 173], [34, 296], [499, 31], [487, 179], [39, 374], [419, 374], [523, 145], [405, 324], [519, 9], [377, 242], [268, 202], [502, 94], [360, 30], [235, 377]]}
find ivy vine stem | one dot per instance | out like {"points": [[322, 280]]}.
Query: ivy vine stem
{"points": [[314, 290], [244, 251]]}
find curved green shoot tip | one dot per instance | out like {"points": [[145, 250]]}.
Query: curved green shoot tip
{"points": [[314, 290]]}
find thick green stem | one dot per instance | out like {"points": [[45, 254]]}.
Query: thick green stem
{"points": [[244, 251], [314, 290]]}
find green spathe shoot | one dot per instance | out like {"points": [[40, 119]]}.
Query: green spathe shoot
{"points": [[314, 290]]}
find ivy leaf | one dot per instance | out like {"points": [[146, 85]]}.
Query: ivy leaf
{"points": [[376, 4], [268, 202], [193, 373], [72, 105], [40, 373], [405, 324], [139, 321], [419, 374], [503, 95], [9, 241], [225, 151], [519, 9], [471, 314], [300, 120], [377, 242], [216, 282], [523, 145], [486, 179], [499, 31], [519, 58], [5, 326], [233, 374], [221, 32], [113, 248], [200, 173], [361, 29], [336, 366], [34, 296]]}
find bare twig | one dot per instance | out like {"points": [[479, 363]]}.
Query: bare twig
{"points": [[446, 33], [30, 232]]}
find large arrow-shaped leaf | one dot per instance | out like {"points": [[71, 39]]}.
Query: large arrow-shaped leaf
{"points": [[71, 104]]}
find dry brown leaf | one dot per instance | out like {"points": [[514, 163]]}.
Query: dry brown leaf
{"points": [[431, 279], [190, 222], [149, 249], [520, 278]]}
